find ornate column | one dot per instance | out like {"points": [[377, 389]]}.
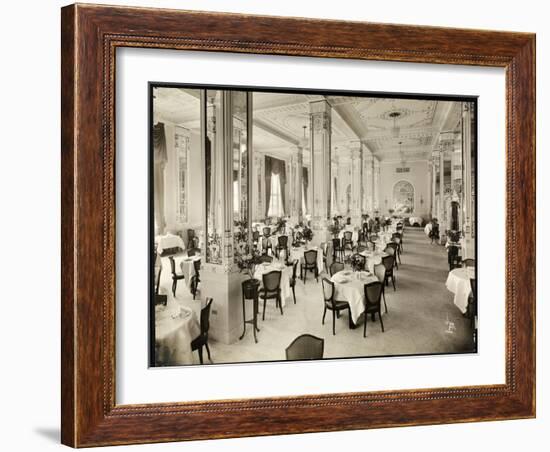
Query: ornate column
{"points": [[433, 199], [220, 278], [441, 204], [376, 184], [467, 183], [320, 149], [296, 164], [368, 183], [356, 183], [335, 190]]}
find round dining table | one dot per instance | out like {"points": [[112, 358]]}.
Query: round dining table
{"points": [[169, 241], [187, 266], [286, 292], [349, 286], [297, 253], [373, 259], [175, 327], [458, 282]]}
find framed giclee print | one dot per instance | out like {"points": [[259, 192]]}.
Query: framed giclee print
{"points": [[281, 225]]}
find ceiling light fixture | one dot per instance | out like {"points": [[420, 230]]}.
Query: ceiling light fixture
{"points": [[395, 129]]}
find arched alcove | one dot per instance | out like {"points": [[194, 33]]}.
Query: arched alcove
{"points": [[403, 197]]}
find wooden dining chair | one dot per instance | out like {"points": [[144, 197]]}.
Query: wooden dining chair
{"points": [[388, 262], [202, 339], [380, 273], [191, 238], [469, 262], [193, 252], [452, 257], [255, 238], [333, 305], [373, 294], [282, 245], [395, 247], [398, 238], [324, 249], [305, 346], [347, 242], [337, 250], [196, 278], [336, 267], [472, 303], [271, 289], [175, 276], [310, 264], [267, 231], [293, 279]]}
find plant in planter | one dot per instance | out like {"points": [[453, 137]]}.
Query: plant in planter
{"points": [[308, 234], [357, 262], [247, 263]]}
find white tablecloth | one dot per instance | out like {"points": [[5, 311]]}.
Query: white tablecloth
{"points": [[286, 273], [383, 239], [458, 282], [373, 259], [353, 290], [175, 328], [298, 254], [354, 234], [428, 229], [168, 241], [188, 268], [413, 220]]}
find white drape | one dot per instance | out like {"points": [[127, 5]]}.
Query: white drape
{"points": [[276, 208]]}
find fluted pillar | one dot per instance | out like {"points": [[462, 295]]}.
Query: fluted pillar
{"points": [[296, 165], [376, 185], [468, 208], [441, 218], [220, 278], [356, 184], [320, 151]]}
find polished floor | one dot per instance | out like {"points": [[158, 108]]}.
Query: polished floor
{"points": [[421, 318]]}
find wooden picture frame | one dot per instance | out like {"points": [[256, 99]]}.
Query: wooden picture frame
{"points": [[90, 36]]}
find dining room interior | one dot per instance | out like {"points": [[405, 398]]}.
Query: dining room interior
{"points": [[303, 225]]}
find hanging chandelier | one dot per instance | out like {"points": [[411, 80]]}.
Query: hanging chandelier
{"points": [[402, 155], [395, 128]]}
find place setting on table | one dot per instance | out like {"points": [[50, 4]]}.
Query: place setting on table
{"points": [[349, 286]]}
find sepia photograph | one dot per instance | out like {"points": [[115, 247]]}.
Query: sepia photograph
{"points": [[293, 224]]}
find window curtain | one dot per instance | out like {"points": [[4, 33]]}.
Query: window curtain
{"points": [[267, 184], [305, 185], [282, 181], [275, 173], [160, 156]]}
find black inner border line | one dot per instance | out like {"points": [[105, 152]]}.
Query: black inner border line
{"points": [[151, 85]]}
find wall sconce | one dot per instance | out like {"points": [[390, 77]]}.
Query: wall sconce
{"points": [[421, 200], [386, 201]]}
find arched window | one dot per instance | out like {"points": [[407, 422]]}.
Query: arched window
{"points": [[403, 197]]}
